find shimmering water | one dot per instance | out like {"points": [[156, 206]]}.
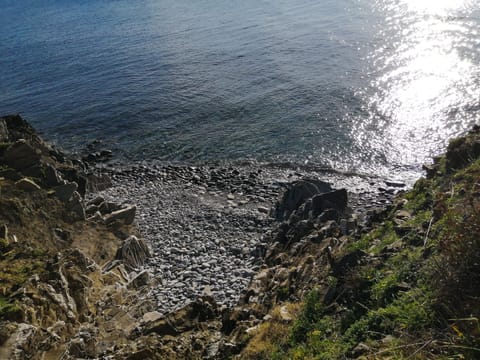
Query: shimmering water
{"points": [[360, 85]]}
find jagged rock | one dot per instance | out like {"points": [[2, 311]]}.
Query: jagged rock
{"points": [[127, 215], [64, 192], [336, 200], [348, 261], [3, 131], [187, 318], [27, 185], [21, 344], [140, 280], [83, 345], [52, 177], [10, 174], [133, 253], [75, 205], [4, 232], [77, 175], [18, 128], [20, 155], [97, 201], [297, 194]]}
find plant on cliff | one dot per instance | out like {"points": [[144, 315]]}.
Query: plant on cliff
{"points": [[416, 293]]}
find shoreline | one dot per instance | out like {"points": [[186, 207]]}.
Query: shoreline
{"points": [[207, 225]]}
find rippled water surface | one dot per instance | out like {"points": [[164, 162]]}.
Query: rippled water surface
{"points": [[361, 85]]}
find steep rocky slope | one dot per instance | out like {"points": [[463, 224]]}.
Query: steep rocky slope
{"points": [[331, 281], [55, 299]]}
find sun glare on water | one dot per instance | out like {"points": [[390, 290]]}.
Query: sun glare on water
{"points": [[427, 80], [436, 6]]}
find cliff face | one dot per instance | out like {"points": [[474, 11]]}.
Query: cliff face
{"points": [[55, 299], [401, 282]]}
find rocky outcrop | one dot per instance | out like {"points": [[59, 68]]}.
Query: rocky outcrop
{"points": [[55, 301]]}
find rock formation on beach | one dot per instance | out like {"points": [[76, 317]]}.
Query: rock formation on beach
{"points": [[217, 262]]}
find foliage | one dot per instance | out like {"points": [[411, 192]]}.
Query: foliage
{"points": [[420, 287]]}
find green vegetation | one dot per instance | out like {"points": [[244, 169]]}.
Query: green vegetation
{"points": [[9, 311], [416, 294]]}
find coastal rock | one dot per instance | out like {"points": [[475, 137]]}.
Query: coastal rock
{"points": [[83, 345], [133, 253], [296, 194], [27, 185], [4, 232], [140, 280], [3, 131], [65, 192], [185, 319], [20, 155], [52, 177], [127, 215], [75, 205]]}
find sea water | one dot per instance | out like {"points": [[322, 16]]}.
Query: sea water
{"points": [[358, 85]]}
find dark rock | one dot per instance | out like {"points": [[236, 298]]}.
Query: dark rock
{"points": [[97, 201], [329, 214], [10, 174], [18, 128], [332, 200], [301, 229], [20, 155], [347, 262], [4, 232], [134, 253], [296, 194], [395, 184], [77, 176], [3, 131], [65, 192], [52, 177], [63, 235]]}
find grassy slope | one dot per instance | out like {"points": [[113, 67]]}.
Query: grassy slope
{"points": [[415, 293]]}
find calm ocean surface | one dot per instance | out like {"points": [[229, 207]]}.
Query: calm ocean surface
{"points": [[359, 85]]}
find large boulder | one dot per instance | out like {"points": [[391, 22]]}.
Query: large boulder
{"points": [[20, 155], [333, 200], [296, 194]]}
